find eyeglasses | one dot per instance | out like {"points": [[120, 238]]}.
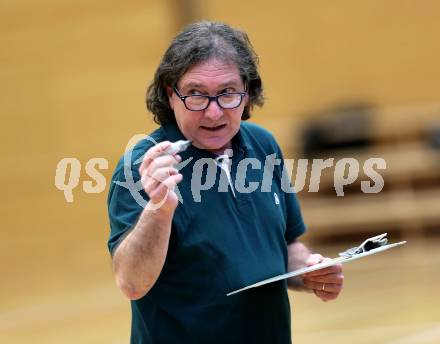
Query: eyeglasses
{"points": [[199, 102]]}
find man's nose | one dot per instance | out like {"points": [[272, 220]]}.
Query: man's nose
{"points": [[213, 111]]}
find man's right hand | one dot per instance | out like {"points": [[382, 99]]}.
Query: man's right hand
{"points": [[159, 177]]}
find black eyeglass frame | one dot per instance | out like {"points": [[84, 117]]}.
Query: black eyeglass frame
{"points": [[210, 99]]}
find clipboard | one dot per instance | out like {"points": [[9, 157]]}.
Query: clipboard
{"points": [[347, 256]]}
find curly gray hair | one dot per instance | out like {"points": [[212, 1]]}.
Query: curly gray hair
{"points": [[198, 43]]}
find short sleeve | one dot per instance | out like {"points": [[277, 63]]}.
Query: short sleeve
{"points": [[295, 226], [125, 202], [294, 222]]}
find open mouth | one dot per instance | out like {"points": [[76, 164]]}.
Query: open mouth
{"points": [[217, 128]]}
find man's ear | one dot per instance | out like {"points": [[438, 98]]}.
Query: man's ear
{"points": [[246, 99], [170, 96]]}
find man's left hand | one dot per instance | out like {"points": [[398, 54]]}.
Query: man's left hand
{"points": [[325, 283]]}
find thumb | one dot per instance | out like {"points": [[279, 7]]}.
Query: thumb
{"points": [[313, 259]]}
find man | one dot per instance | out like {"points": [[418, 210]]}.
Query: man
{"points": [[177, 260]]}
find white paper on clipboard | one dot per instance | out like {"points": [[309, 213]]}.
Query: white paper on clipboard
{"points": [[334, 261]]}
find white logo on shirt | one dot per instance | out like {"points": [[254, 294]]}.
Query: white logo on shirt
{"points": [[277, 200]]}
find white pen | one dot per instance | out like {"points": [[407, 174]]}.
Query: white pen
{"points": [[177, 147]]}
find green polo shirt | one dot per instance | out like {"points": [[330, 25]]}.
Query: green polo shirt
{"points": [[220, 241]]}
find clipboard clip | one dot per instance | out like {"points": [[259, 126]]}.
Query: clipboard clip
{"points": [[367, 245]]}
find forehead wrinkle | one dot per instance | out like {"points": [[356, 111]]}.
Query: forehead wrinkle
{"points": [[230, 79], [222, 85], [203, 75]]}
